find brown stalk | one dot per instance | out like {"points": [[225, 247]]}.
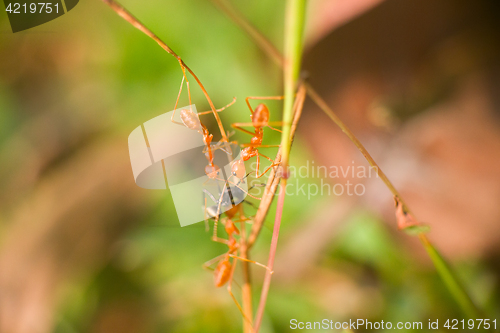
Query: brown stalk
{"points": [[246, 289]]}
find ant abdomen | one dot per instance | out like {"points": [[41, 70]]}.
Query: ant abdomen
{"points": [[190, 120], [222, 272]]}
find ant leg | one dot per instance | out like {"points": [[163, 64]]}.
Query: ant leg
{"points": [[237, 185], [268, 124], [275, 123], [184, 78], [220, 145], [264, 98], [251, 261], [207, 227], [219, 123], [257, 185], [223, 146], [187, 81], [246, 192], [259, 146], [218, 110], [243, 220], [209, 263], [216, 218], [210, 195], [222, 240], [266, 157], [249, 189], [238, 126], [258, 166], [180, 91], [177, 102], [216, 238], [267, 169], [229, 290], [250, 204]]}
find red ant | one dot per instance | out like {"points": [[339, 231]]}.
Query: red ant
{"points": [[191, 120], [224, 271], [260, 119]]}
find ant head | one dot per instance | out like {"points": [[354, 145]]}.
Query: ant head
{"points": [[238, 169], [212, 171]]}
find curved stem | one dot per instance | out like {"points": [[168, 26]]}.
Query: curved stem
{"points": [[120, 10]]}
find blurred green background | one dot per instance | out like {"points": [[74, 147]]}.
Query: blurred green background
{"points": [[83, 249]]}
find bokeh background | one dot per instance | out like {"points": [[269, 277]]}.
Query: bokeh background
{"points": [[83, 249]]}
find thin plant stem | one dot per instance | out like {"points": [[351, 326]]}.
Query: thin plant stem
{"points": [[444, 270], [320, 102], [451, 281], [294, 29], [246, 289]]}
